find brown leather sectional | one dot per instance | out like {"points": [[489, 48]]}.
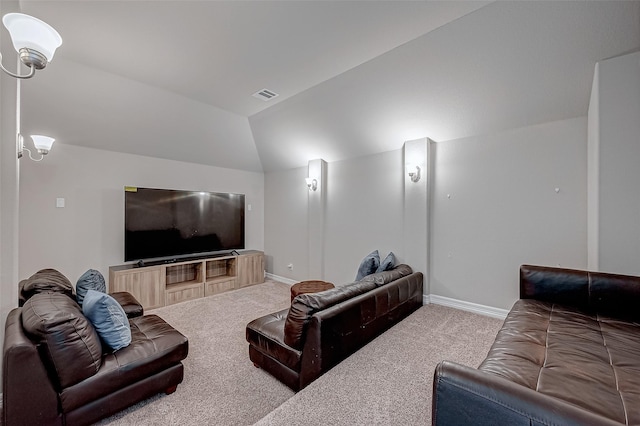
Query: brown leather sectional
{"points": [[57, 372], [299, 344], [567, 354]]}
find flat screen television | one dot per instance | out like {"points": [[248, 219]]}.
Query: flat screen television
{"points": [[162, 223]]}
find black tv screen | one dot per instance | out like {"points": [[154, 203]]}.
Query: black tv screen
{"points": [[165, 223]]}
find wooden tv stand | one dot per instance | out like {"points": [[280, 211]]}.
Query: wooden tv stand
{"points": [[168, 283]]}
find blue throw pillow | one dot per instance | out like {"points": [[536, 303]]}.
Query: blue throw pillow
{"points": [[108, 318], [388, 263], [90, 280], [369, 265]]}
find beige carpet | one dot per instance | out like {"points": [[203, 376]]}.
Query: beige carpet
{"points": [[387, 382], [221, 386]]}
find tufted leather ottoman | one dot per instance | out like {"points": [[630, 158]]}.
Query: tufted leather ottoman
{"points": [[304, 287]]}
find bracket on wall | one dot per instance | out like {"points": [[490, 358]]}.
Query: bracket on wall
{"points": [[312, 184], [414, 175]]}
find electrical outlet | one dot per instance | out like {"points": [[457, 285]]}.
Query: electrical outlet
{"points": [[290, 266]]}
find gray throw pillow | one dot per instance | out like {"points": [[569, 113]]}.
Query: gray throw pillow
{"points": [[369, 265], [108, 318], [388, 263], [90, 280]]}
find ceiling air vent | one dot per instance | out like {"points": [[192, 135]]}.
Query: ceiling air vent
{"points": [[265, 95]]}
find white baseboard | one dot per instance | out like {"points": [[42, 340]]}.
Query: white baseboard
{"points": [[489, 311], [280, 279]]}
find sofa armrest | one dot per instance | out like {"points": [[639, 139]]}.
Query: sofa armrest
{"points": [[28, 396], [464, 396], [130, 304]]}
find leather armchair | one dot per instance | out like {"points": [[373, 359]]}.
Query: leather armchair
{"points": [[56, 371]]}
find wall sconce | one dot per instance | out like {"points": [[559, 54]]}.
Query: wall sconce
{"points": [[42, 144], [414, 173], [34, 40], [312, 184]]}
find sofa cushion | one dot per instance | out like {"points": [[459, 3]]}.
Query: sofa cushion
{"points": [[388, 263], [90, 280], [588, 360], [155, 346], [385, 277], [267, 334], [108, 318], [71, 345], [369, 265], [46, 281], [305, 305]]}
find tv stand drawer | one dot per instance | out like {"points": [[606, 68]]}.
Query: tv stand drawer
{"points": [[219, 286], [184, 292]]}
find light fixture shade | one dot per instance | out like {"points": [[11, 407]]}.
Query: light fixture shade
{"points": [[32, 33], [42, 143]]}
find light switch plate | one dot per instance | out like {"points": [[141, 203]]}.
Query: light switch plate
{"points": [[59, 202]]}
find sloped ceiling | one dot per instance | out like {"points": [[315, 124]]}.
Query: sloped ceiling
{"points": [[507, 65], [174, 79]]}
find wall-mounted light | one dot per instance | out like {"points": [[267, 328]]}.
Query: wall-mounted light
{"points": [[312, 184], [42, 143], [34, 40], [414, 173]]}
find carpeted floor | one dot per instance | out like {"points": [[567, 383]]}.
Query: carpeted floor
{"points": [[386, 382], [221, 386]]}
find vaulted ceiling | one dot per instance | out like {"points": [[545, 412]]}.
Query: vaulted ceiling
{"points": [[174, 79]]}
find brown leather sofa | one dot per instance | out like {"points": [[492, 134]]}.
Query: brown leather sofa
{"points": [[299, 344], [567, 354], [59, 373]]}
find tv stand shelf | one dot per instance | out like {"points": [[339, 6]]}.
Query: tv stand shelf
{"points": [[161, 284]]}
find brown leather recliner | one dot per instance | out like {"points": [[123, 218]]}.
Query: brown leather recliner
{"points": [[56, 371], [299, 344]]}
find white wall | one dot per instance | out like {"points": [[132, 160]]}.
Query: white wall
{"points": [[89, 231], [285, 223], [364, 212], [593, 174], [316, 216], [616, 109], [417, 160], [9, 178], [494, 207]]}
